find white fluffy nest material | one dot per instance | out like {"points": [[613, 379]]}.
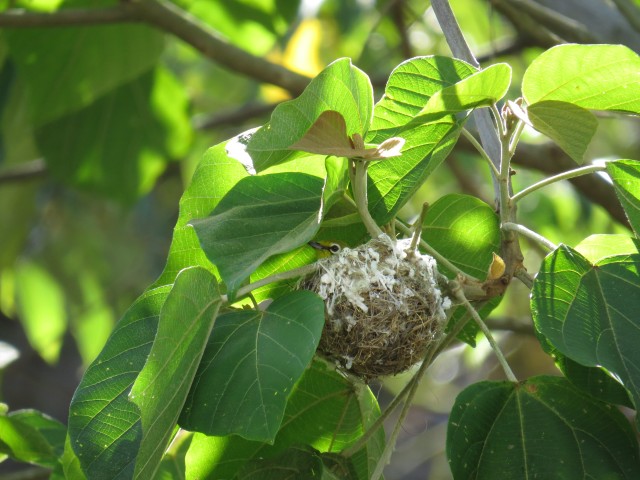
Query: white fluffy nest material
{"points": [[384, 306]]}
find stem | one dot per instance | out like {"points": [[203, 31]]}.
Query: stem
{"points": [[457, 291], [439, 258], [359, 180], [525, 277], [522, 230], [417, 227], [297, 272], [469, 136], [556, 178], [33, 169]]}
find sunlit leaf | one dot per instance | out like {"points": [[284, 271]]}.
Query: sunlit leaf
{"points": [[41, 304], [465, 230], [340, 87], [588, 311], [594, 77], [261, 216], [540, 428], [32, 437], [480, 89], [186, 319], [626, 180], [250, 365], [570, 126]]}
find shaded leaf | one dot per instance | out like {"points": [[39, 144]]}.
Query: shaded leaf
{"points": [[540, 428], [69, 68], [595, 77], [261, 216], [626, 180], [570, 126], [588, 311], [105, 428], [161, 388], [120, 144], [324, 411], [250, 365], [340, 87]]}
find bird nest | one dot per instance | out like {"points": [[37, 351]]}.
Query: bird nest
{"points": [[384, 306]]}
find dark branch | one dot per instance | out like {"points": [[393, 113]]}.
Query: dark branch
{"points": [[32, 170], [169, 18]]}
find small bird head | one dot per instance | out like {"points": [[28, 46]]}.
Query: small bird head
{"points": [[325, 249]]}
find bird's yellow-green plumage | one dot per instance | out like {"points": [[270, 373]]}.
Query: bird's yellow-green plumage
{"points": [[326, 249]]}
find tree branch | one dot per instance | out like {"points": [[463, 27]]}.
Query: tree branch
{"points": [[171, 19], [25, 171]]}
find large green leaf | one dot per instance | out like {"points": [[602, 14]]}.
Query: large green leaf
{"points": [[595, 77], [626, 180], [340, 87], [105, 427], [261, 216], [120, 143], [465, 230], [409, 89], [482, 89], [540, 428], [394, 181], [216, 174], [250, 366], [160, 390], [588, 311], [69, 68], [569, 125], [324, 411], [32, 437]]}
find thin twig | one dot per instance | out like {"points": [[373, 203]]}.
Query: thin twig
{"points": [[556, 178], [359, 184], [459, 294], [522, 230], [20, 18], [630, 12], [32, 170], [469, 136]]}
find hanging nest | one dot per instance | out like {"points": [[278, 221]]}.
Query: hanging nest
{"points": [[384, 306]]}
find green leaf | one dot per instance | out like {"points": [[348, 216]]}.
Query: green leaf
{"points": [[482, 89], [250, 365], [324, 411], [540, 428], [570, 126], [69, 68], [172, 466], [261, 216], [296, 463], [465, 230], [393, 182], [588, 311], [409, 89], [594, 77], [44, 320], [600, 247], [105, 427], [162, 386], [626, 181], [340, 87], [31, 436], [121, 142], [216, 174]]}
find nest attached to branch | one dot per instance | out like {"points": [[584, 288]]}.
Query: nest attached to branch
{"points": [[384, 306]]}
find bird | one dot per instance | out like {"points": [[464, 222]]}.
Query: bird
{"points": [[325, 249]]}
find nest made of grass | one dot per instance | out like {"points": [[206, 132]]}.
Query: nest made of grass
{"points": [[384, 306]]}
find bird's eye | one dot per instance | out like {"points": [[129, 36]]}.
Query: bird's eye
{"points": [[334, 248]]}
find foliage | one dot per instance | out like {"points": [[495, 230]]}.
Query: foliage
{"points": [[214, 370]]}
